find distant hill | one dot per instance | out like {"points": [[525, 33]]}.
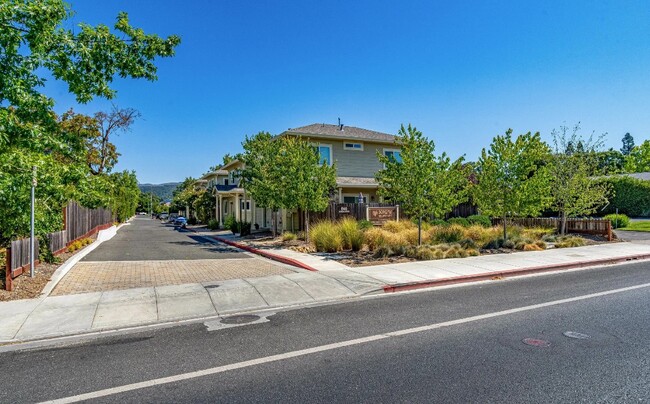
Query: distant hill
{"points": [[163, 191]]}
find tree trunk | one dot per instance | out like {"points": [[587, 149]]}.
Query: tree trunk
{"points": [[419, 231], [505, 234], [307, 225], [563, 223]]}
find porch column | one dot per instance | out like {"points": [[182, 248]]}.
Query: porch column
{"points": [[220, 210], [245, 211], [254, 213], [340, 195], [237, 208]]}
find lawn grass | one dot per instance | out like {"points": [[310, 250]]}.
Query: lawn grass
{"points": [[638, 226]]}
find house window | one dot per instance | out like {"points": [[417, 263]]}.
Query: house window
{"points": [[393, 155], [352, 146], [225, 181], [325, 154], [354, 199], [245, 205]]}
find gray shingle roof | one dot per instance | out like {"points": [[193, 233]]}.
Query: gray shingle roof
{"points": [[641, 176], [351, 181], [348, 132]]}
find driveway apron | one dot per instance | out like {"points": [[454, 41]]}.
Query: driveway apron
{"points": [[148, 253]]}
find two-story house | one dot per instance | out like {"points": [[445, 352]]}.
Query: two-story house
{"points": [[354, 150]]}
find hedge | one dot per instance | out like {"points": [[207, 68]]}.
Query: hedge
{"points": [[631, 196]]}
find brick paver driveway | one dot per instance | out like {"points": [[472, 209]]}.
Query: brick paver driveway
{"points": [[148, 253]]}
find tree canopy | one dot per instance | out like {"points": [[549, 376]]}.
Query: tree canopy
{"points": [[35, 45], [573, 189], [422, 183], [513, 177]]}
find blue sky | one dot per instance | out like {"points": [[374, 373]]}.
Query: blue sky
{"points": [[461, 72]]}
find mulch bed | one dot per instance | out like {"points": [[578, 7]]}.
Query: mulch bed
{"points": [[26, 287]]}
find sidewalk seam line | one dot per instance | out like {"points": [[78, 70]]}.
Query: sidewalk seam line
{"points": [[258, 292], [300, 286]]}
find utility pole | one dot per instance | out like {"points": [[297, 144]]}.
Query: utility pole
{"points": [[31, 238]]}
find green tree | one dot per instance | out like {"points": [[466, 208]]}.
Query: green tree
{"points": [[35, 42], [628, 144], [263, 175], [184, 195], [513, 178], [573, 189], [307, 184], [421, 183], [609, 162], [638, 161]]}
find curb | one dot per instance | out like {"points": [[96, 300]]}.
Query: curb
{"points": [[265, 254], [508, 273], [72, 261]]}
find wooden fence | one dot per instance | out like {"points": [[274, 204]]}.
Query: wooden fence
{"points": [[601, 227], [78, 222], [336, 211]]}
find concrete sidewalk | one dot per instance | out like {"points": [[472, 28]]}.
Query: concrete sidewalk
{"points": [[109, 310]]}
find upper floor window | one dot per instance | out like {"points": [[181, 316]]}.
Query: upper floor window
{"points": [[393, 155], [225, 181], [325, 154], [352, 146]]}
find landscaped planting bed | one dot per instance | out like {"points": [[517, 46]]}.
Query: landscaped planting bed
{"points": [[359, 243]]}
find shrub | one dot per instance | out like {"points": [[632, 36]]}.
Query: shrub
{"points": [[375, 237], [191, 221], [289, 236], [231, 224], [459, 220], [630, 195], [493, 244], [213, 224], [425, 253], [326, 237], [350, 234], [394, 226], [618, 221], [468, 243], [244, 228], [411, 236], [508, 244], [450, 234], [438, 222], [365, 224], [473, 253], [480, 220], [570, 241], [383, 251]]}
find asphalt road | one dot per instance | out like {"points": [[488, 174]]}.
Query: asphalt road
{"points": [[460, 359], [145, 239]]}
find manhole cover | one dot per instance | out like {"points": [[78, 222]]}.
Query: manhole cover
{"points": [[536, 342], [211, 286], [576, 335], [243, 319]]}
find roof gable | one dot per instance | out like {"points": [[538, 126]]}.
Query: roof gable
{"points": [[341, 132]]}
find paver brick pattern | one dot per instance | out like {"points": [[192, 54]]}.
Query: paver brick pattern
{"points": [[92, 276]]}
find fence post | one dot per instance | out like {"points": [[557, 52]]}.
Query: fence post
{"points": [[609, 230], [9, 284]]}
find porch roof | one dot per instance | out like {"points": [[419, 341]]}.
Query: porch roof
{"points": [[356, 182]]}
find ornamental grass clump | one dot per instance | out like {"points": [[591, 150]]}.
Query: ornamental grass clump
{"points": [[375, 237], [537, 233], [289, 236], [449, 234], [351, 235], [394, 226], [326, 237], [570, 241]]}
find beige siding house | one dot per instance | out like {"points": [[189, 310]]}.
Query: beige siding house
{"points": [[354, 150]]}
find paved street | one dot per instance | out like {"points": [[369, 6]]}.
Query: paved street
{"points": [[468, 349], [148, 253]]}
